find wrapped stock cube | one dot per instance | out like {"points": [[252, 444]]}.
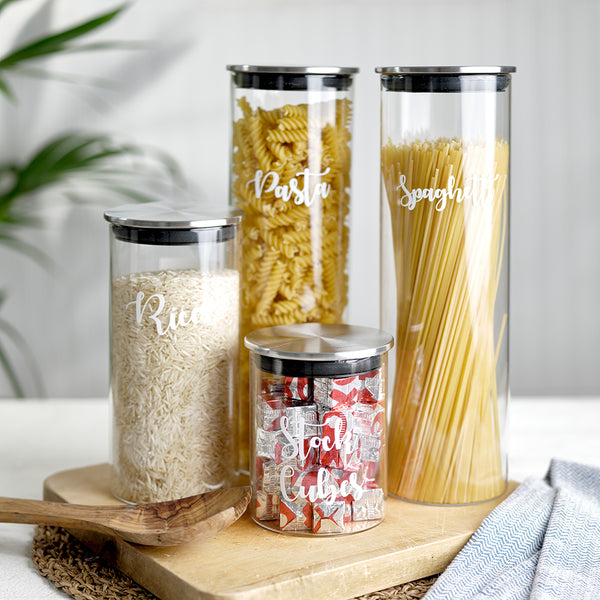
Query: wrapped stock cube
{"points": [[271, 478], [371, 390], [369, 506], [368, 448], [267, 506], [301, 420], [329, 517], [337, 392], [272, 385], [295, 515], [268, 417], [298, 388], [265, 443]]}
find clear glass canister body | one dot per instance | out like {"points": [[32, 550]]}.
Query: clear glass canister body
{"points": [[445, 281], [174, 350], [318, 441], [290, 173]]}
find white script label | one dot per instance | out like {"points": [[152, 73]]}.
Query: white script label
{"points": [[269, 182], [153, 310], [478, 189]]}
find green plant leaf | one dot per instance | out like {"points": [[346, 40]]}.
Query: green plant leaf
{"points": [[5, 89], [28, 250], [58, 42], [8, 367], [75, 163], [11, 375], [5, 3]]}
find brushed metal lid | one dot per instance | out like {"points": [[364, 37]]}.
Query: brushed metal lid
{"points": [[168, 215], [447, 70], [292, 70], [318, 342]]}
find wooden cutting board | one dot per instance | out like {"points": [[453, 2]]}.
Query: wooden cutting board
{"points": [[247, 562]]}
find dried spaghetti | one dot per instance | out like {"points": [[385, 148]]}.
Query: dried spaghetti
{"points": [[448, 207]]}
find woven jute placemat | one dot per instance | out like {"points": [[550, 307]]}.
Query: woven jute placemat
{"points": [[81, 574]]}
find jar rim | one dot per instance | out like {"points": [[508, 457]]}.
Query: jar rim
{"points": [[447, 70], [293, 70], [166, 215], [318, 342]]}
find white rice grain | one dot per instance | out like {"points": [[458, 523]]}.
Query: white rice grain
{"points": [[173, 389]]}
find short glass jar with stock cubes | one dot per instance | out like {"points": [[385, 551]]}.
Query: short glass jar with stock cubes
{"points": [[174, 350], [318, 441]]}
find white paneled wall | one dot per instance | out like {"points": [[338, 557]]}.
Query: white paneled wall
{"points": [[175, 95]]}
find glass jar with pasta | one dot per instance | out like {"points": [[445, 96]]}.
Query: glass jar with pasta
{"points": [[290, 173], [445, 285]]}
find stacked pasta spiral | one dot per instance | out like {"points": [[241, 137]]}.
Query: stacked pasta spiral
{"points": [[291, 176]]}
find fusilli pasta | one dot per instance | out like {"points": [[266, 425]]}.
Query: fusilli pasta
{"points": [[291, 176]]}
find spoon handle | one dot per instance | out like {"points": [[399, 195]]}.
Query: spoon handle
{"points": [[41, 512]]}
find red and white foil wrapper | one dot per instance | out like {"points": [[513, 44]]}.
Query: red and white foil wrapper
{"points": [[295, 515], [337, 425], [267, 506], [369, 448], [347, 457], [328, 517], [369, 506], [302, 421], [364, 416], [370, 470], [271, 478], [272, 385], [378, 420], [371, 387], [337, 393], [349, 482], [266, 442], [304, 484], [368, 419], [267, 416], [298, 454], [336, 431], [347, 510], [308, 458], [315, 484], [298, 388]]}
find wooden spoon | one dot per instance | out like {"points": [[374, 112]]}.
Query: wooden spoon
{"points": [[159, 524]]}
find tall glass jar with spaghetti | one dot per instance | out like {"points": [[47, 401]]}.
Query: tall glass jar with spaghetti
{"points": [[445, 283], [290, 173]]}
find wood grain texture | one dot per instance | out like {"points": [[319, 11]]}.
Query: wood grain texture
{"points": [[159, 524], [247, 562]]}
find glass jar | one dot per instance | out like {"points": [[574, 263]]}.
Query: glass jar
{"points": [[174, 350], [290, 173], [445, 137], [318, 441]]}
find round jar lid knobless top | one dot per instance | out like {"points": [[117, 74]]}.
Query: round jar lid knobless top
{"points": [[165, 215], [461, 79], [447, 70], [172, 224], [315, 349], [292, 78]]}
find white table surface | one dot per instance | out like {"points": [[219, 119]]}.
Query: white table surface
{"points": [[41, 437]]}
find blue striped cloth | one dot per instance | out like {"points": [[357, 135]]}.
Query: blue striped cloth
{"points": [[541, 543]]}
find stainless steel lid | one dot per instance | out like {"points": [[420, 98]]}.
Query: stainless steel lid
{"points": [[318, 342], [168, 215], [446, 70], [292, 70]]}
